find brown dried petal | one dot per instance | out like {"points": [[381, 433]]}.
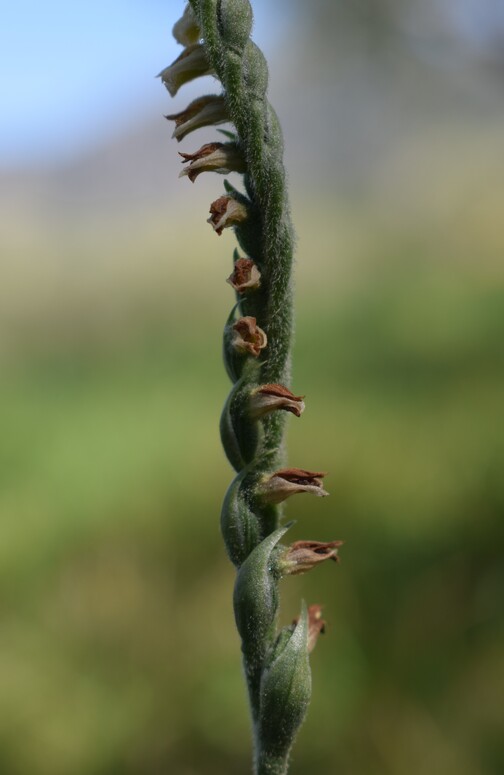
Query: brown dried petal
{"points": [[249, 338], [246, 276], [213, 157], [289, 481], [301, 475], [205, 150], [302, 556], [225, 212], [268, 398]]}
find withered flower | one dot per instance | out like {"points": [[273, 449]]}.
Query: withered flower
{"points": [[225, 212], [189, 65], [203, 111], [289, 481], [186, 31], [316, 625], [213, 157], [249, 338], [268, 398], [302, 556], [246, 276]]}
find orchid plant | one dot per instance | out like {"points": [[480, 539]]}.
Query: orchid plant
{"points": [[257, 356]]}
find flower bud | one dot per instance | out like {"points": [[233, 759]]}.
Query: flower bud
{"points": [[225, 212], [186, 31], [246, 276], [289, 481], [239, 431], [234, 20], [189, 65], [249, 338], [256, 596], [316, 625], [204, 111], [302, 556], [269, 398], [239, 525], [285, 694], [255, 71], [213, 157]]}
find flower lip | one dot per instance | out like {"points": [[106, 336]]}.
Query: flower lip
{"points": [[191, 63], [203, 111], [290, 481], [268, 398], [246, 276], [225, 212], [249, 338], [213, 157]]}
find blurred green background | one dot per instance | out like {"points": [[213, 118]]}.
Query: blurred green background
{"points": [[118, 653]]}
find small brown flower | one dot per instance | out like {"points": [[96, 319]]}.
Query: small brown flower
{"points": [[246, 276], [213, 157], [204, 111], [189, 65], [316, 625], [249, 338], [289, 481], [225, 212], [302, 556], [186, 31], [269, 398]]}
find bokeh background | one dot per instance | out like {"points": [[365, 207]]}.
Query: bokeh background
{"points": [[118, 653]]}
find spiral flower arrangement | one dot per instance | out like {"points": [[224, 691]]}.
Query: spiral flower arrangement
{"points": [[257, 354]]}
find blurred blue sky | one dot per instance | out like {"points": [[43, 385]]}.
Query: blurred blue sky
{"points": [[69, 73], [72, 71]]}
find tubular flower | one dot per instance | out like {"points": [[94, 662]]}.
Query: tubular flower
{"points": [[186, 31], [289, 481], [249, 338], [268, 398], [213, 157], [225, 212], [189, 65], [204, 111], [302, 556], [246, 276], [316, 625]]}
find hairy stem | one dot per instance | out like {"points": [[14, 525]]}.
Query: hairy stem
{"points": [[257, 356]]}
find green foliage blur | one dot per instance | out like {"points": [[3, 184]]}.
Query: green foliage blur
{"points": [[118, 652], [117, 647]]}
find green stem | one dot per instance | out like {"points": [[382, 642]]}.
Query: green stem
{"points": [[276, 669], [244, 76], [270, 764]]}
